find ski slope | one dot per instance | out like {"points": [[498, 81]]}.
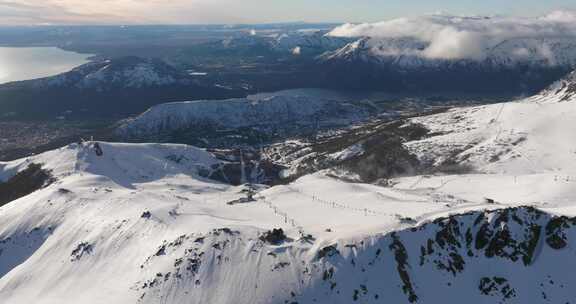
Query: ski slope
{"points": [[521, 137], [139, 223], [94, 242]]}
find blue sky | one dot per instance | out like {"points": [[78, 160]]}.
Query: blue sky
{"points": [[255, 11]]}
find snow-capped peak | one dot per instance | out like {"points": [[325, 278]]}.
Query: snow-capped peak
{"points": [[130, 226], [411, 52], [122, 163]]}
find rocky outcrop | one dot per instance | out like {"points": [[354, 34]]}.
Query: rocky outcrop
{"points": [[25, 182], [477, 256]]}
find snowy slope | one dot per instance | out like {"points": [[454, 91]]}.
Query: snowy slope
{"points": [[283, 112], [135, 226], [141, 224], [521, 137]]}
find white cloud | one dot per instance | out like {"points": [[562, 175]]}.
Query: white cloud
{"points": [[452, 43], [560, 16], [456, 37]]}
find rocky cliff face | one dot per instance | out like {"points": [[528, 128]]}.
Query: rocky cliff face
{"points": [[481, 256]]}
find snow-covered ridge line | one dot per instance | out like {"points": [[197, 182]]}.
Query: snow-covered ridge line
{"points": [[405, 52], [109, 159], [117, 73], [276, 111], [294, 43], [500, 39], [520, 137]]}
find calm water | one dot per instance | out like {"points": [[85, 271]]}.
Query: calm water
{"points": [[35, 62]]}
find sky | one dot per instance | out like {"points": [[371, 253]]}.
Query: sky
{"points": [[36, 12]]}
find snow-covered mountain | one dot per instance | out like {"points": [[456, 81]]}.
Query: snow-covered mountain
{"points": [[406, 53], [520, 137], [121, 223], [265, 116], [290, 42], [118, 73], [107, 89], [518, 66], [367, 50], [308, 43], [493, 220], [443, 40]]}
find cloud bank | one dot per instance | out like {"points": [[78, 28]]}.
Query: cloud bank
{"points": [[457, 37]]}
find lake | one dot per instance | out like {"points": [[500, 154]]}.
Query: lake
{"points": [[36, 62]]}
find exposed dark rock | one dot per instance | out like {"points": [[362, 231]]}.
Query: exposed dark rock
{"points": [[281, 265], [274, 237], [161, 251], [240, 166], [98, 149], [242, 200], [328, 251], [555, 232], [25, 182], [81, 250], [496, 286], [64, 191], [401, 256]]}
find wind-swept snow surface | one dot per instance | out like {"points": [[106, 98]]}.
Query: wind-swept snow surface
{"points": [[527, 136]]}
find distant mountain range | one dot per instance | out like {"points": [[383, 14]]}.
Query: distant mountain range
{"points": [[514, 67], [114, 74], [405, 53], [123, 86], [290, 43], [104, 89]]}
